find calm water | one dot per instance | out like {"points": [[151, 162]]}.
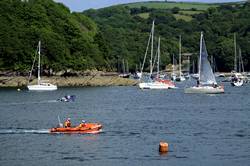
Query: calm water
{"points": [[200, 129]]}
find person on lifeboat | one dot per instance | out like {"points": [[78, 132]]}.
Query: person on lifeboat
{"points": [[67, 123], [82, 124]]}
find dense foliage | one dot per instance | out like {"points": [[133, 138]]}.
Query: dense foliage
{"points": [[127, 32], [69, 40], [102, 39]]}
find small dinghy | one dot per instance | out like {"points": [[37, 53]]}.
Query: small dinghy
{"points": [[237, 79], [68, 98]]}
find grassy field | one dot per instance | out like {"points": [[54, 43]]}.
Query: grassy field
{"points": [[189, 12], [185, 15], [169, 5], [144, 15]]}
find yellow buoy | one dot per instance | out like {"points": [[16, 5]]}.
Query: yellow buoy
{"points": [[18, 89], [163, 147]]}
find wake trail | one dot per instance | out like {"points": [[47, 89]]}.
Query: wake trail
{"points": [[24, 131], [24, 103]]}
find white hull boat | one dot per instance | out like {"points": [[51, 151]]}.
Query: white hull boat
{"points": [[205, 89], [238, 82], [195, 76], [206, 82], [42, 87], [153, 85], [156, 83], [41, 84], [180, 78]]}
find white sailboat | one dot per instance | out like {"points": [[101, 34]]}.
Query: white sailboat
{"points": [[206, 82], [173, 74], [125, 73], [41, 85], [180, 77], [187, 74], [237, 79], [194, 75], [156, 83]]}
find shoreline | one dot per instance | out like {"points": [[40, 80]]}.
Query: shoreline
{"points": [[74, 81]]}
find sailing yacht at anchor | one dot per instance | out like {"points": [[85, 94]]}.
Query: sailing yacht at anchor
{"points": [[206, 82], [237, 78], [156, 83], [180, 77], [41, 85]]}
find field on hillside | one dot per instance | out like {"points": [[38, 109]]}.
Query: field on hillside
{"points": [[169, 5]]}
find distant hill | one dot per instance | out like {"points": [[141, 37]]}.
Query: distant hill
{"points": [[126, 28], [170, 5], [181, 5], [187, 9]]}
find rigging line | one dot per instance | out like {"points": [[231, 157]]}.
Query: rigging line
{"points": [[30, 74]]}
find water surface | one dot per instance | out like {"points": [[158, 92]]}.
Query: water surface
{"points": [[200, 129]]}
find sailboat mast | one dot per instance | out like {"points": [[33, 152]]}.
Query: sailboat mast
{"points": [[180, 54], [152, 47], [123, 66], [158, 61], [235, 54], [145, 55], [212, 63], [193, 67], [173, 64], [241, 64], [127, 66], [200, 56], [39, 61]]}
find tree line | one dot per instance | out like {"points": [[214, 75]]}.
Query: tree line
{"points": [[101, 39], [127, 33]]}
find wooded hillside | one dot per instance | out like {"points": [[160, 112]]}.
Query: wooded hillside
{"points": [[69, 40], [126, 30], [101, 39]]}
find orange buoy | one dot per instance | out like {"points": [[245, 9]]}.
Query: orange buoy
{"points": [[163, 147]]}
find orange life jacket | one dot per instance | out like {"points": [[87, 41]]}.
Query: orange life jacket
{"points": [[67, 123], [81, 125]]}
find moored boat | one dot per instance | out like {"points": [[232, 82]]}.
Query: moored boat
{"points": [[237, 79], [205, 89], [154, 82], [42, 85], [206, 82], [157, 84], [180, 77]]}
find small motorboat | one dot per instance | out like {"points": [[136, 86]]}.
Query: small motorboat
{"points": [[68, 98], [89, 128], [237, 79]]}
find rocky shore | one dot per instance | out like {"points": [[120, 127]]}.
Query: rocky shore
{"points": [[71, 81]]}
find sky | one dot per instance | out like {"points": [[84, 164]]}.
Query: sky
{"points": [[81, 5]]}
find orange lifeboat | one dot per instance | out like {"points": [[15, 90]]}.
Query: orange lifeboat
{"points": [[88, 128]]}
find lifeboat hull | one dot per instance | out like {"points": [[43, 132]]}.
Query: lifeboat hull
{"points": [[89, 128]]}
